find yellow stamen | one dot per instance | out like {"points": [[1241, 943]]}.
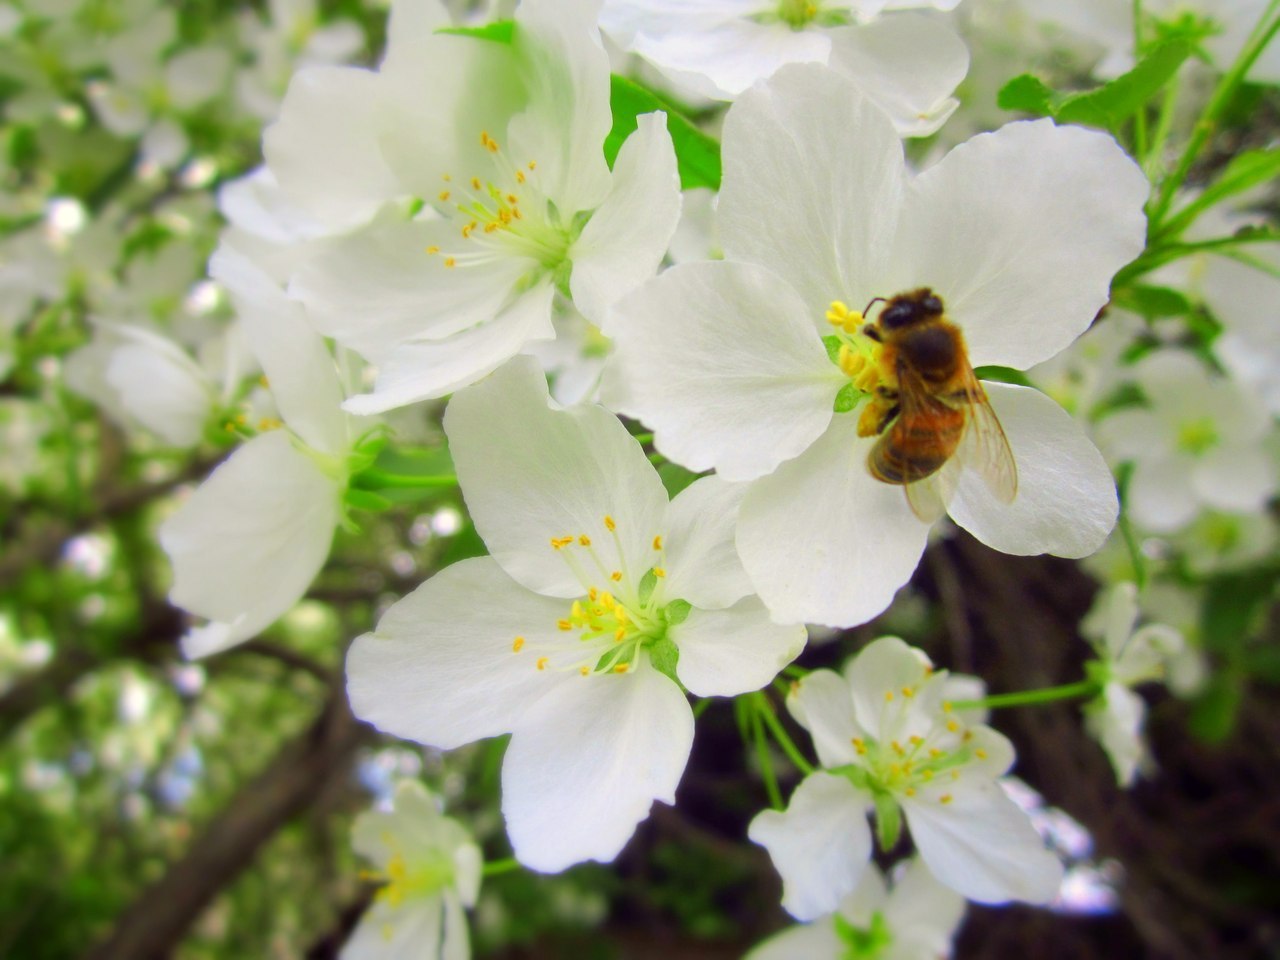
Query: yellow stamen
{"points": [[433, 250], [657, 543], [622, 668], [584, 540], [616, 576], [945, 798], [542, 662], [517, 644], [609, 524], [444, 195], [659, 572], [450, 262]]}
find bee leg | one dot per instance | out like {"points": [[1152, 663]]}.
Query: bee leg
{"points": [[870, 331], [877, 415], [887, 419]]}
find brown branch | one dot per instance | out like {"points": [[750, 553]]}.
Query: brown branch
{"points": [[153, 926]]}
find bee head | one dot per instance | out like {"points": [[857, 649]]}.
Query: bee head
{"points": [[908, 309]]}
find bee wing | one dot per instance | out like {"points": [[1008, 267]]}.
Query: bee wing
{"points": [[927, 495], [983, 447]]}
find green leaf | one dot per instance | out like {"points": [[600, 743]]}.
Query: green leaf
{"points": [[675, 477], [1152, 302], [677, 611], [1002, 375], [500, 31], [664, 655], [1026, 93], [697, 154], [1233, 609], [1110, 105], [366, 500], [1213, 717], [847, 398], [1246, 170]]}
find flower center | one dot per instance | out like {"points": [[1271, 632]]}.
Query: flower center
{"points": [[502, 215], [799, 14], [864, 943], [1197, 437], [401, 883], [617, 619], [903, 766], [863, 360]]}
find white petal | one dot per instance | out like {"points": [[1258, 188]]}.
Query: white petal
{"points": [[908, 65], [1066, 502], [402, 930], [1235, 479], [1159, 497], [876, 678], [727, 652], [1020, 232], [588, 761], [811, 941], [324, 148], [982, 845], [701, 560], [160, 386], [251, 539], [566, 72], [825, 542], [722, 361], [822, 705], [626, 238], [300, 370], [440, 667], [421, 371], [820, 845], [377, 288], [813, 180], [196, 75], [456, 943], [721, 60], [922, 911], [1115, 721], [531, 472]]}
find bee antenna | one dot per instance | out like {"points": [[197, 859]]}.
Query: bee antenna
{"points": [[871, 303]]}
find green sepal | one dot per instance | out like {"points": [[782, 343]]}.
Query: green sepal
{"points": [[500, 31], [1149, 301], [677, 611], [697, 154], [357, 499], [847, 398], [648, 583], [888, 821], [366, 451], [1002, 375], [1026, 93], [862, 943], [833, 343], [675, 477], [665, 655]]}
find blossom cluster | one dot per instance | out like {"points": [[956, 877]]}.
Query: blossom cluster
{"points": [[899, 318]]}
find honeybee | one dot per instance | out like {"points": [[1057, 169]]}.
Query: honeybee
{"points": [[930, 412]]}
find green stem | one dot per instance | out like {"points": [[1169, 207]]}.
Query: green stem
{"points": [[765, 710], [1026, 698], [375, 479], [495, 867], [1207, 125], [642, 437], [700, 707], [766, 764], [1166, 253], [1152, 162]]}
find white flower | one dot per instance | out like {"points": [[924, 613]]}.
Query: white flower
{"points": [[502, 146], [913, 920], [597, 595], [250, 540], [431, 868], [907, 64], [889, 740], [1194, 444], [1018, 232], [1127, 657]]}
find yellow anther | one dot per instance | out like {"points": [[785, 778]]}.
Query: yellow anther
{"points": [[928, 671], [515, 212], [542, 662], [935, 752], [837, 312], [512, 198], [609, 524], [953, 726], [945, 798], [980, 754], [444, 195], [584, 670], [859, 745], [593, 594], [229, 427], [475, 183], [910, 791], [888, 696], [916, 740], [584, 540], [657, 543], [853, 322], [622, 668], [927, 774], [533, 164], [263, 381], [564, 624], [620, 634], [450, 262], [433, 250], [559, 542], [517, 644], [897, 748], [576, 611], [620, 614], [851, 362], [659, 572], [446, 177], [968, 735], [519, 176], [616, 576], [242, 419], [908, 692], [466, 231], [607, 600]]}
